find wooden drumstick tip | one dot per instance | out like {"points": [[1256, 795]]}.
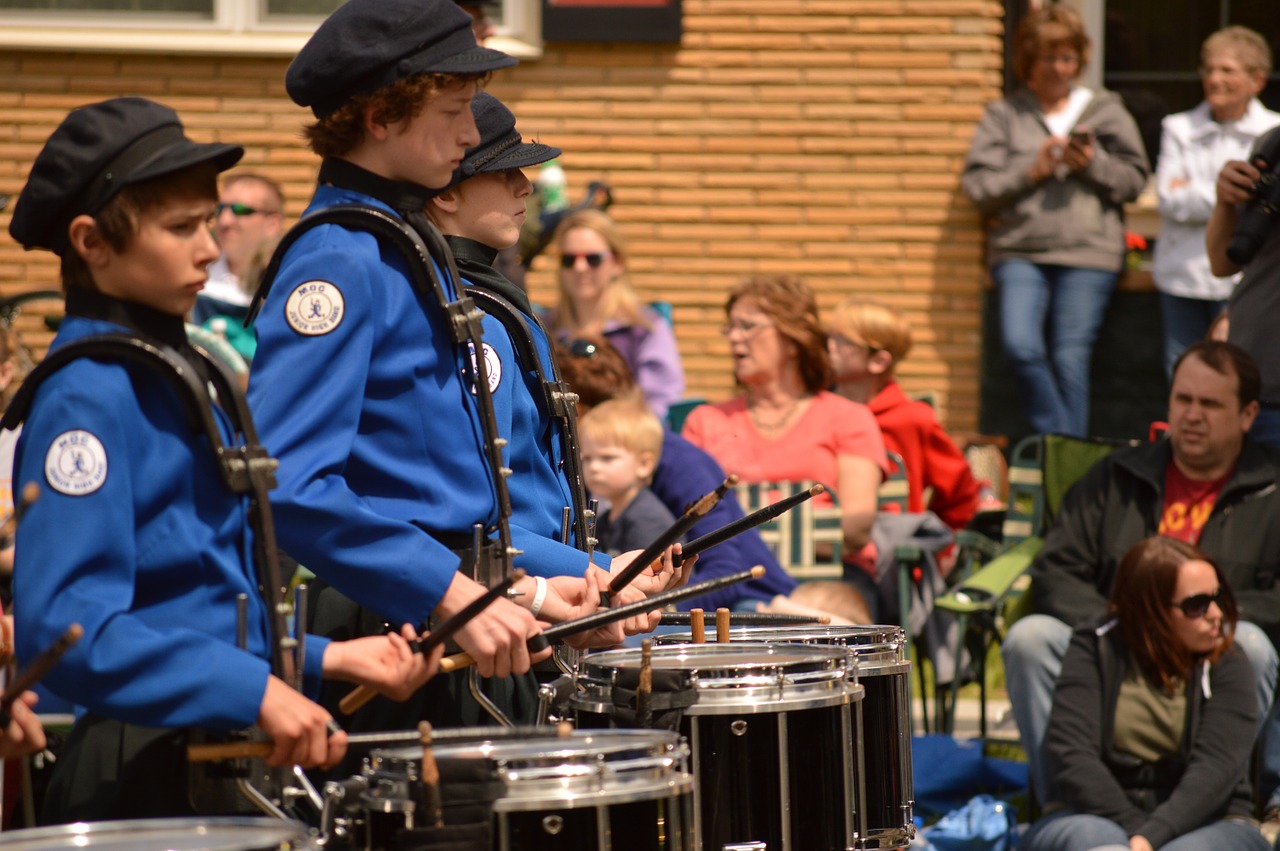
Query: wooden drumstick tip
{"points": [[564, 730], [814, 490], [74, 633], [758, 570], [30, 493], [697, 623], [722, 625], [732, 480], [824, 620]]}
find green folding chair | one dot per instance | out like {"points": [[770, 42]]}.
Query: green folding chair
{"points": [[1042, 468]]}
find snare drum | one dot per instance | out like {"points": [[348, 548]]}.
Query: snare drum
{"points": [[604, 790], [883, 717], [178, 834], [766, 735]]}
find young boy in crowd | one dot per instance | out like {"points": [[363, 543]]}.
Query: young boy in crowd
{"points": [[162, 545], [621, 445], [359, 385], [867, 341]]}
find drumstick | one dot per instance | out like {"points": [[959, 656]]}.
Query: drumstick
{"points": [[214, 751], [654, 551], [748, 619], [361, 695], [750, 521], [608, 616], [430, 778], [36, 671], [30, 493], [696, 623], [644, 691], [722, 625]]}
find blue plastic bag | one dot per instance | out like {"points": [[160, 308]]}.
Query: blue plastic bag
{"points": [[983, 824]]}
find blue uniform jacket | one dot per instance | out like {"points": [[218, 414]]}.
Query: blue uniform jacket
{"points": [[136, 538], [361, 394], [539, 486]]}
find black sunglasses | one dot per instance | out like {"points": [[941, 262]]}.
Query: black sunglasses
{"points": [[582, 348], [594, 259], [1197, 605], [241, 210]]}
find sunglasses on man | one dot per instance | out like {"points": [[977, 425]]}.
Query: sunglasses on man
{"points": [[242, 210]]}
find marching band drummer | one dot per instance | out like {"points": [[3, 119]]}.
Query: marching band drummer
{"points": [[359, 386], [136, 537]]}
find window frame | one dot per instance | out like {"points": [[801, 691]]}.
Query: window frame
{"points": [[236, 28]]}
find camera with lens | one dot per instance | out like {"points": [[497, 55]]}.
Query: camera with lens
{"points": [[1263, 209]]}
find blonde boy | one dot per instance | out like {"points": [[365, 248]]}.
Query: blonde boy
{"points": [[621, 445]]}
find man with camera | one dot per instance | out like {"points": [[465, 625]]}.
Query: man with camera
{"points": [[1242, 234]]}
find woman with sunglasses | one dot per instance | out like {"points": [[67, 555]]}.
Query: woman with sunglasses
{"points": [[786, 426], [1154, 716], [597, 300]]}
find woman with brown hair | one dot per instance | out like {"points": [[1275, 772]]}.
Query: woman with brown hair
{"points": [[596, 300], [1154, 716], [786, 426], [1051, 167]]}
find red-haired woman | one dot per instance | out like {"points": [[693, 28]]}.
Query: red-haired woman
{"points": [[1154, 716]]}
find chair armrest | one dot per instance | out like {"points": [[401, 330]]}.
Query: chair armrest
{"points": [[986, 589]]}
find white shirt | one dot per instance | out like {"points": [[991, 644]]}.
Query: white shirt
{"points": [[1194, 148]]}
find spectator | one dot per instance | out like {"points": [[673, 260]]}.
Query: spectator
{"points": [[1207, 484], [867, 341], [1051, 167], [481, 26], [248, 223], [1194, 145], [621, 445], [786, 426], [1152, 718], [596, 300], [1256, 298]]}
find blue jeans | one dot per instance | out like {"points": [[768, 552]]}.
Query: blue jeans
{"points": [[1033, 652], [1067, 831], [1049, 320], [1186, 321]]}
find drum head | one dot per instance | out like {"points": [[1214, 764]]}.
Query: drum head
{"points": [[210, 834]]}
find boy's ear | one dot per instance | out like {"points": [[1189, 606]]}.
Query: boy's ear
{"points": [[448, 201], [87, 241], [375, 127], [880, 363], [646, 462]]}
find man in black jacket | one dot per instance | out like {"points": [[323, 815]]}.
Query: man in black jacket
{"points": [[1207, 484]]}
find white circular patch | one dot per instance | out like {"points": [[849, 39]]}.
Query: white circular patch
{"points": [[76, 463], [315, 308], [492, 366]]}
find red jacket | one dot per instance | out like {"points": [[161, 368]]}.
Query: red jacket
{"points": [[932, 459]]}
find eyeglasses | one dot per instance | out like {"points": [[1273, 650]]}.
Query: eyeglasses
{"points": [[747, 328], [594, 259], [242, 210], [580, 348], [1197, 605], [842, 340]]}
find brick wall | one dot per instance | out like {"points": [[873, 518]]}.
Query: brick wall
{"points": [[825, 142]]}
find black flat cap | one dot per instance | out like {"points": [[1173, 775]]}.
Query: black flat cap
{"points": [[501, 146], [95, 152], [368, 44]]}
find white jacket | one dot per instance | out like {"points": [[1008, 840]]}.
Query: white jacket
{"points": [[1193, 148]]}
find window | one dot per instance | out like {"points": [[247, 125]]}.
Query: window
{"points": [[262, 27], [1150, 51]]}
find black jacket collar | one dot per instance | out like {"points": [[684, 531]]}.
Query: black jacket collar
{"points": [[475, 264], [404, 198], [148, 321]]}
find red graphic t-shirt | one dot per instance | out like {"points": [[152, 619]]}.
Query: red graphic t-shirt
{"points": [[1187, 504]]}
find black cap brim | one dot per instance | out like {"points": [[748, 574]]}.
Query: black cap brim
{"points": [[475, 60], [184, 155], [521, 156]]}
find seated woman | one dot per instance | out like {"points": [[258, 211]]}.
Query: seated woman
{"points": [[597, 300], [785, 426], [1154, 716]]}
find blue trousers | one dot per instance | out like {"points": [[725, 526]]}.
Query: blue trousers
{"points": [[1186, 321], [1049, 319], [1067, 831]]}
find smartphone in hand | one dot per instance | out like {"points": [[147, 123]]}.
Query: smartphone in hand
{"points": [[1081, 137]]}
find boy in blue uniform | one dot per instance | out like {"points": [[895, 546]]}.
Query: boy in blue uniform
{"points": [[358, 384], [480, 213], [137, 535]]}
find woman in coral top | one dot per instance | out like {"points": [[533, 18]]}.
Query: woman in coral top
{"points": [[785, 426]]}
